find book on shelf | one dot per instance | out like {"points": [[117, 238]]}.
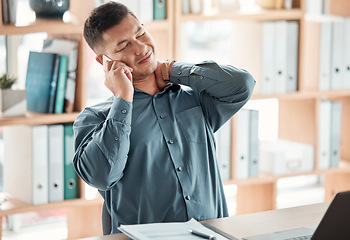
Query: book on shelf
{"points": [[54, 82], [338, 54], [25, 171], [274, 45], [42, 172], [223, 149], [40, 74], [55, 166], [46, 82], [143, 9], [327, 7], [241, 140], [9, 11], [5, 12], [159, 9], [324, 134], [336, 114], [70, 176], [326, 55], [70, 49], [253, 143], [347, 53], [61, 84]]}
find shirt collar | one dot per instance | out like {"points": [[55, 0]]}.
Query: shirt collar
{"points": [[171, 87]]}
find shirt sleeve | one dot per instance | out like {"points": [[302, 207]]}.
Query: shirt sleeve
{"points": [[222, 89], [102, 141]]}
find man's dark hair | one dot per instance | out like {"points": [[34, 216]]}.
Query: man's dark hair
{"points": [[101, 19]]}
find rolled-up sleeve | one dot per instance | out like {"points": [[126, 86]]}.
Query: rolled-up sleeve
{"points": [[222, 89], [102, 142]]}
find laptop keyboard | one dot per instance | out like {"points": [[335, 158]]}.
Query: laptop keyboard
{"points": [[301, 238]]}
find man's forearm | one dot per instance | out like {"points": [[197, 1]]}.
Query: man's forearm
{"points": [[219, 81], [102, 145]]}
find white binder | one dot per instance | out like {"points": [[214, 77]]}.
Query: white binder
{"points": [[280, 69], [253, 143], [40, 164], [325, 67], [338, 54], [314, 7], [268, 58], [292, 56], [145, 11], [324, 134], [25, 170], [223, 150], [196, 6], [335, 133], [56, 159], [346, 79], [133, 5], [185, 6], [242, 144]]}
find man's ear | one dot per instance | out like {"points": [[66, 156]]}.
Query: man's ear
{"points": [[99, 59]]}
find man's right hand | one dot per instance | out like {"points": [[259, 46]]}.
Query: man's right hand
{"points": [[118, 78]]}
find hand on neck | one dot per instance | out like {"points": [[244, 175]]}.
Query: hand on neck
{"points": [[147, 84]]}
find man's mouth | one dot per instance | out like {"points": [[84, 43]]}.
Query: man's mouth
{"points": [[147, 58]]}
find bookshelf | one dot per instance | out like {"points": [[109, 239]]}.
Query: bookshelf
{"points": [[298, 111], [297, 116], [83, 215]]}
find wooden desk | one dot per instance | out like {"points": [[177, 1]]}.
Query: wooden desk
{"points": [[258, 223]]}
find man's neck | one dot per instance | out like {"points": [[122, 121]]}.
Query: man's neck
{"points": [[148, 84]]}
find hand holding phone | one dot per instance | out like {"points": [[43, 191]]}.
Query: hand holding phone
{"points": [[118, 78]]}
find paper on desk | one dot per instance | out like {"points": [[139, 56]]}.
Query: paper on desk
{"points": [[167, 231]]}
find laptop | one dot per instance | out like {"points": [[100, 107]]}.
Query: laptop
{"points": [[335, 224]]}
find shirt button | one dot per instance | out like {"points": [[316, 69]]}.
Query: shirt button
{"points": [[123, 111], [201, 77], [179, 169], [162, 116], [170, 141], [179, 72], [116, 138], [188, 197]]}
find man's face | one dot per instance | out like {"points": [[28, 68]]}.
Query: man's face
{"points": [[129, 43]]}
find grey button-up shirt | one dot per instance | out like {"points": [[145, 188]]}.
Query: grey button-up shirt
{"points": [[154, 160]]}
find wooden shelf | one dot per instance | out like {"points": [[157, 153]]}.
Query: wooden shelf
{"points": [[344, 167], [43, 25], [10, 205], [37, 119], [305, 95], [256, 14]]}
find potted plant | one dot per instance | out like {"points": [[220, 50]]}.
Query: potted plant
{"points": [[12, 101]]}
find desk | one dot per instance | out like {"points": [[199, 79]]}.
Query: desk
{"points": [[258, 223]]}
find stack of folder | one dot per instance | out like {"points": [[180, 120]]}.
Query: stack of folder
{"points": [[329, 132], [246, 145], [329, 63], [269, 51], [145, 10], [38, 165]]}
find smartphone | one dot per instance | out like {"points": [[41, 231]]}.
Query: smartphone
{"points": [[105, 59]]}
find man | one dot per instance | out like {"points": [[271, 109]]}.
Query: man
{"points": [[150, 148]]}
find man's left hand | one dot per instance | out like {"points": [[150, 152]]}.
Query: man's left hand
{"points": [[161, 82]]}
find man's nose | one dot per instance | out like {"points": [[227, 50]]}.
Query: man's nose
{"points": [[139, 48]]}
